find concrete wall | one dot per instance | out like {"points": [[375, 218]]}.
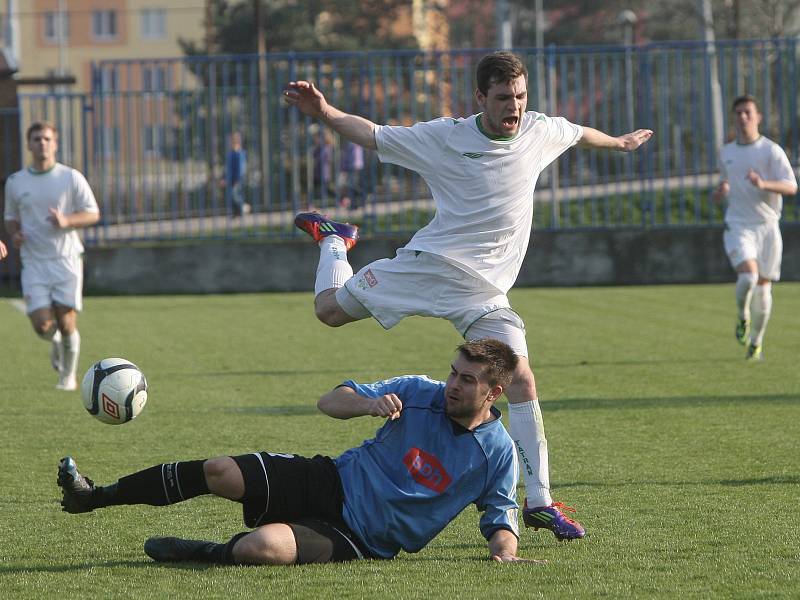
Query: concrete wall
{"points": [[610, 257]]}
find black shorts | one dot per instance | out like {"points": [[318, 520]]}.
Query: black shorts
{"points": [[304, 493]]}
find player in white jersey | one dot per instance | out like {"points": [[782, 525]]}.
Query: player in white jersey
{"points": [[45, 203], [481, 172], [755, 174]]}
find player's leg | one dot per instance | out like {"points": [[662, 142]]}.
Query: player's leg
{"points": [[526, 427], [741, 247], [36, 290], [746, 278], [770, 252], [333, 270], [70, 346], [762, 309], [159, 485]]}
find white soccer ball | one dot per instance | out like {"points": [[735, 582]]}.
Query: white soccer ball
{"points": [[114, 391]]}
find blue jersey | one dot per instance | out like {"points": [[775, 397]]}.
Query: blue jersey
{"points": [[404, 486]]}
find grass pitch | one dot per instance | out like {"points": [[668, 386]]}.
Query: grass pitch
{"points": [[681, 458]]}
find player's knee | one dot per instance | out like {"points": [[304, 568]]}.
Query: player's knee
{"points": [[261, 547], [523, 383], [327, 310], [44, 328], [223, 476]]}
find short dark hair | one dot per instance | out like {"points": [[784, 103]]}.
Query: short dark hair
{"points": [[41, 126], [499, 358], [743, 99], [499, 67]]}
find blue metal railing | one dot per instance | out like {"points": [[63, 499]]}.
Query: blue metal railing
{"points": [[152, 134]]}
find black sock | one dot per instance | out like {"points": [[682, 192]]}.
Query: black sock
{"points": [[160, 485], [227, 549]]}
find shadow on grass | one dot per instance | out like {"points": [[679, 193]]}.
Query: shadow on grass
{"points": [[771, 480], [289, 410], [108, 564], [665, 402]]}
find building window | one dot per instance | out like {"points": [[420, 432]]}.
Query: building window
{"points": [[153, 23], [56, 27], [154, 78], [108, 79], [104, 25]]}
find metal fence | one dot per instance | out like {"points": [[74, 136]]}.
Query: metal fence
{"points": [[152, 135]]}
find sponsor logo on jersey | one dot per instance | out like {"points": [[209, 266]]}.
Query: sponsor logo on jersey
{"points": [[370, 278], [473, 154], [426, 470]]}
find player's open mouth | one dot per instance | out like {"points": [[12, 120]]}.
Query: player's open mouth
{"points": [[510, 122]]}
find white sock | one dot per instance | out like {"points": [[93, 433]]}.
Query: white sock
{"points": [[762, 308], [71, 345], [527, 431], [745, 284], [333, 269]]}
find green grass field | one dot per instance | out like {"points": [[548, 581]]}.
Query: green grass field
{"points": [[681, 458]]}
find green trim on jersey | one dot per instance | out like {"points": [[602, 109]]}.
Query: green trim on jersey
{"points": [[33, 171], [738, 143], [498, 138]]}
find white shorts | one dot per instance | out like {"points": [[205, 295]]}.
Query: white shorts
{"points": [[761, 243], [48, 282], [422, 284]]}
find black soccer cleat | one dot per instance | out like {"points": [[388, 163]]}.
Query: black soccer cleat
{"points": [[174, 549], [77, 490]]}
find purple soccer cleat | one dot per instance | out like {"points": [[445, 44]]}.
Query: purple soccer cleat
{"points": [[319, 227], [552, 518]]}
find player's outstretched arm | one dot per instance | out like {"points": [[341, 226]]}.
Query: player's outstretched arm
{"points": [[310, 101], [344, 403], [594, 138], [503, 548]]}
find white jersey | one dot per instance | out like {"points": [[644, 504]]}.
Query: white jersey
{"points": [[29, 197], [747, 205], [482, 187]]}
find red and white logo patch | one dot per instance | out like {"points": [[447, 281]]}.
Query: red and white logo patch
{"points": [[370, 278], [426, 470]]}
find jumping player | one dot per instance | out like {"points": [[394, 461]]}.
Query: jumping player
{"points": [[481, 172]]}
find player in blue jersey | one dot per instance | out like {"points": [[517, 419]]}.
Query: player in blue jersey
{"points": [[442, 448]]}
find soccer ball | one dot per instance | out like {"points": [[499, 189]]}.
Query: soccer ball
{"points": [[114, 391]]}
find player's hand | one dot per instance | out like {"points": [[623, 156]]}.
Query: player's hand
{"points": [[721, 192], [3, 250], [58, 219], [505, 558], [305, 97], [17, 239], [755, 179], [387, 406], [631, 141]]}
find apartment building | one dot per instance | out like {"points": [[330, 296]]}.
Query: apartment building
{"points": [[64, 37]]}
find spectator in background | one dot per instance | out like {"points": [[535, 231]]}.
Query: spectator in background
{"points": [[755, 173], [323, 166], [45, 204], [235, 170], [351, 168]]}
